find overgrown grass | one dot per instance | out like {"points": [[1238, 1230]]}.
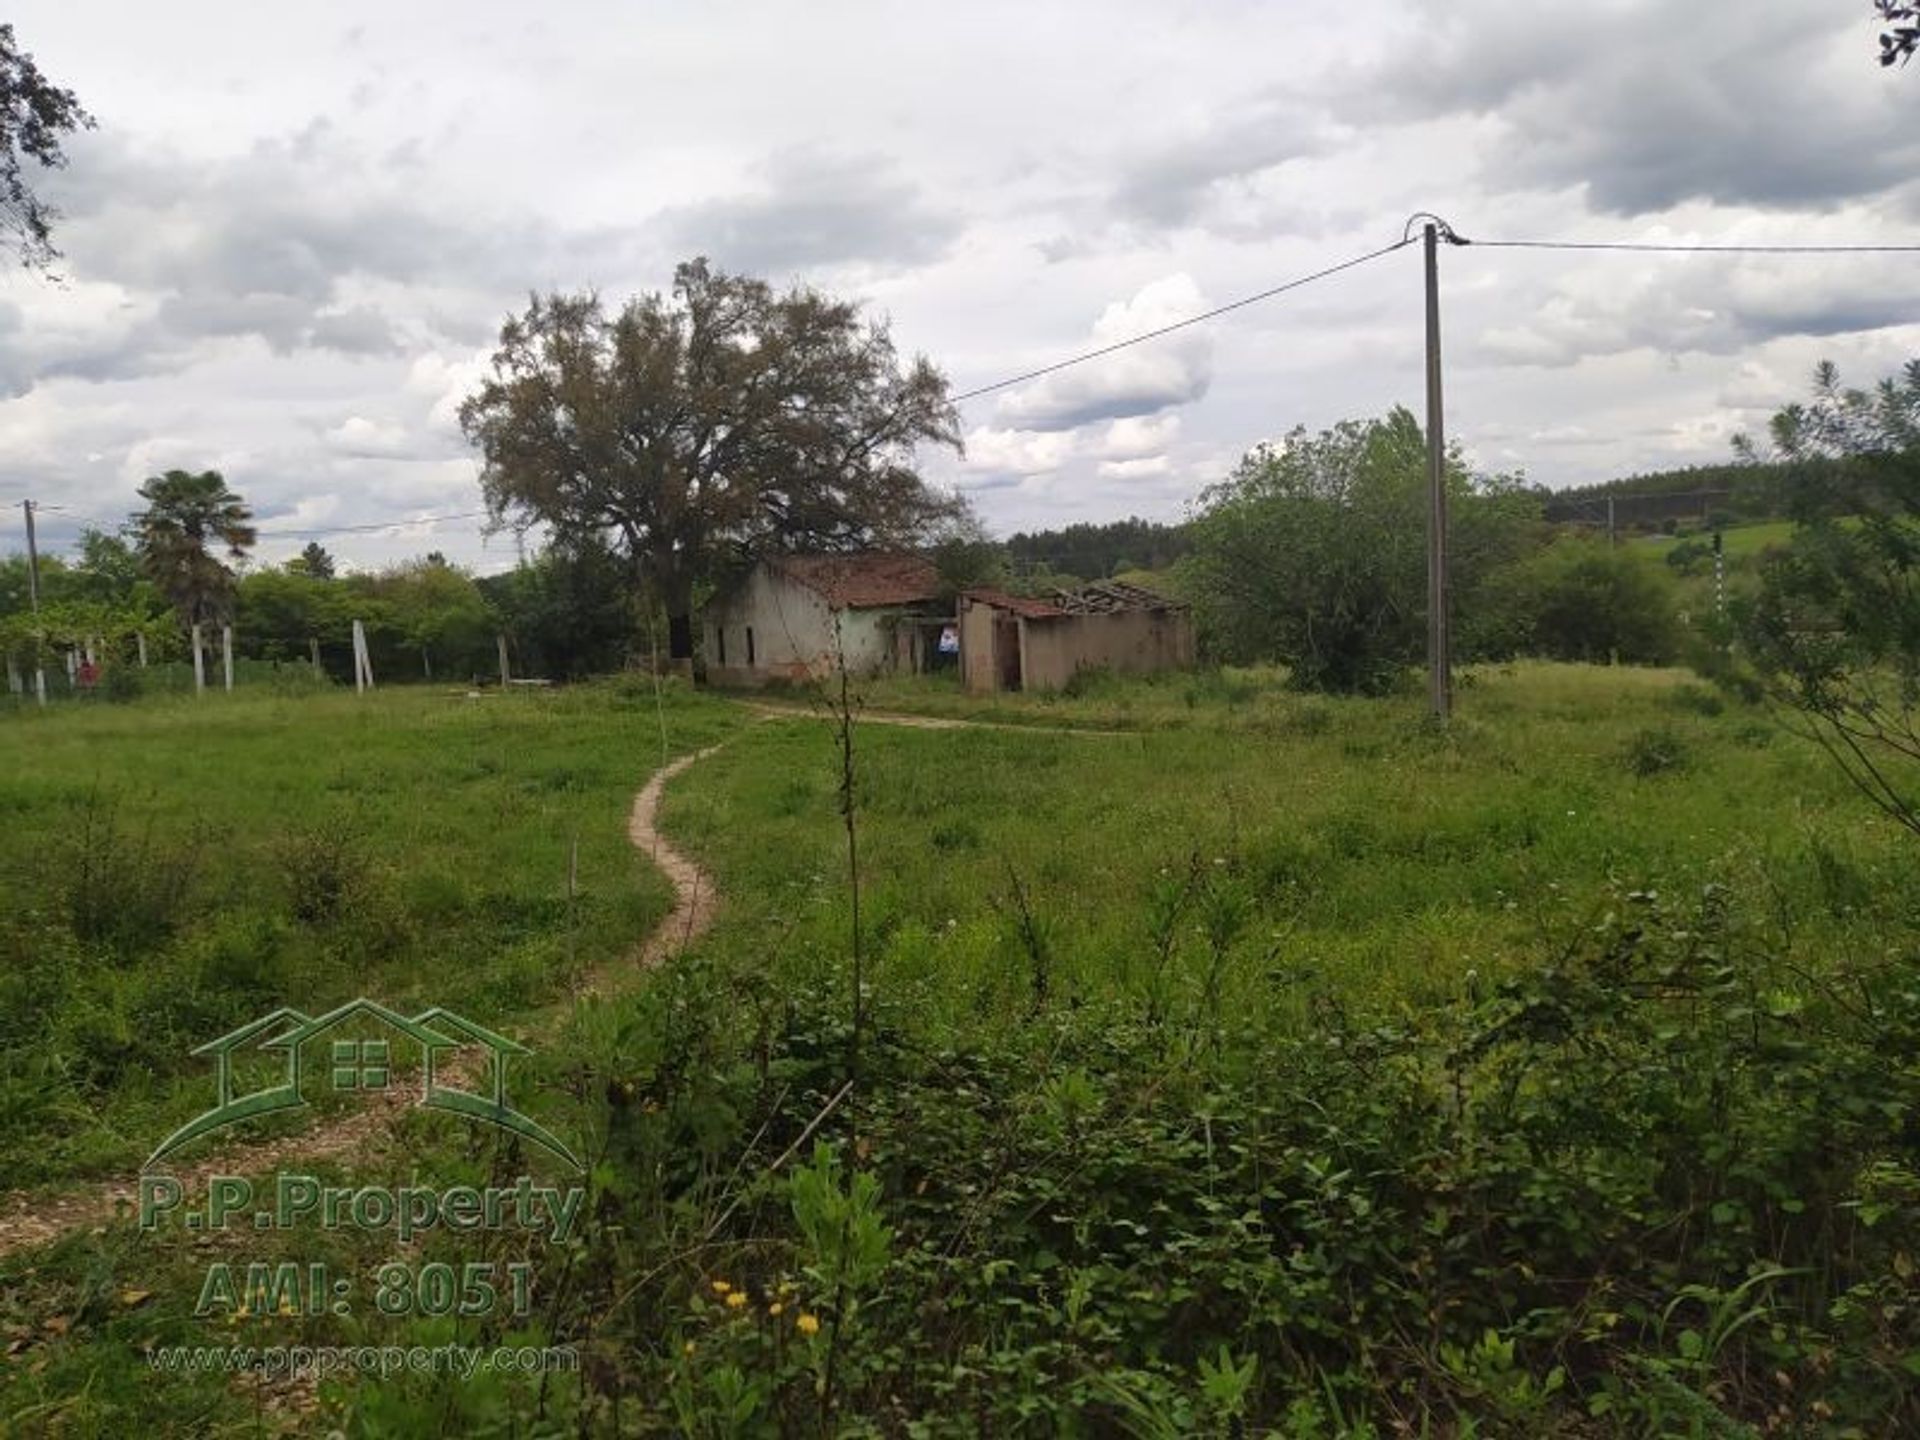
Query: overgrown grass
{"points": [[1265, 1060], [178, 866]]}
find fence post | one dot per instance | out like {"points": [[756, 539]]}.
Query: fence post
{"points": [[362, 662], [140, 639], [199, 663], [14, 683], [505, 674], [313, 653], [226, 654]]}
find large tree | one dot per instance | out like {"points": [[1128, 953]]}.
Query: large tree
{"points": [[35, 115], [1313, 552], [186, 514], [691, 427]]}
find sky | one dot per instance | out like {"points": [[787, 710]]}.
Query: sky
{"points": [[290, 242]]}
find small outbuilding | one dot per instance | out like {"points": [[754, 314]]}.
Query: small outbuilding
{"points": [[792, 617], [1016, 642]]}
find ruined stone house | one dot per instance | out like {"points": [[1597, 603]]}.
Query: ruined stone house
{"points": [[1014, 642]]}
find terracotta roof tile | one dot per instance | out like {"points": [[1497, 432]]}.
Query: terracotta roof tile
{"points": [[862, 579], [1018, 604]]}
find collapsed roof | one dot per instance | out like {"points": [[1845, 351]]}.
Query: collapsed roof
{"points": [[1102, 597]]}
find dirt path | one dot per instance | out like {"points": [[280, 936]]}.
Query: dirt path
{"points": [[30, 1218], [768, 710]]}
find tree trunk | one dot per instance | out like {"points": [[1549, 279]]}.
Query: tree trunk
{"points": [[680, 637]]}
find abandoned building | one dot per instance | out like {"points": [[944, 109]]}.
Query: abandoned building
{"points": [[1012, 642], [791, 618]]}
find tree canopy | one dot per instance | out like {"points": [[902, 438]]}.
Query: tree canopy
{"points": [[35, 115], [186, 514], [722, 417], [1313, 552]]}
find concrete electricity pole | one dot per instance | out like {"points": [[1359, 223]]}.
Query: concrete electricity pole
{"points": [[33, 558], [1439, 644]]}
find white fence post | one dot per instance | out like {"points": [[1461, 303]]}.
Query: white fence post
{"points": [[140, 639], [226, 654], [505, 674], [362, 662], [199, 664]]}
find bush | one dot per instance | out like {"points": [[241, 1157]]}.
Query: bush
{"points": [[1619, 1194], [1314, 553], [1585, 600]]}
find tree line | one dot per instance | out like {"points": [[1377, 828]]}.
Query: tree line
{"points": [[182, 561]]}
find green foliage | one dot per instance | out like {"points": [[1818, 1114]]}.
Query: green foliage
{"points": [[35, 117], [1314, 552], [1582, 600], [1098, 552], [1834, 630], [188, 516], [572, 610]]}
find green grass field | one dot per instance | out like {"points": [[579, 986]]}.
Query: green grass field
{"points": [[1234, 942]]}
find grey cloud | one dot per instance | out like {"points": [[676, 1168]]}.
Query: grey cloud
{"points": [[1649, 106], [815, 209], [1081, 398], [1717, 310], [1172, 185], [263, 244], [358, 330]]}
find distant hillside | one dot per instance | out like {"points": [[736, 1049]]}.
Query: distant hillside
{"points": [[1097, 552], [1732, 492]]}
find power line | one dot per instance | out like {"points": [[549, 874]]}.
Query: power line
{"points": [[1677, 248], [1213, 314], [368, 529]]}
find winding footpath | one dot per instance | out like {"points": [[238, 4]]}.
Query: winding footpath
{"points": [[32, 1218]]}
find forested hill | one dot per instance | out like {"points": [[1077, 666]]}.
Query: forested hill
{"points": [[1735, 491], [1094, 552]]}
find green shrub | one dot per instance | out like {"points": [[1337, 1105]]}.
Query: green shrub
{"points": [[1585, 600]]}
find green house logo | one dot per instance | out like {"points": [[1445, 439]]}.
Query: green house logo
{"points": [[312, 1053]]}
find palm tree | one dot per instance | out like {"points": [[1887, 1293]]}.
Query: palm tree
{"points": [[185, 513]]}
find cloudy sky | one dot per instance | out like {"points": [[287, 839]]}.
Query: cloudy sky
{"points": [[297, 228]]}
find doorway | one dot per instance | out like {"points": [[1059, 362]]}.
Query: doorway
{"points": [[1006, 650]]}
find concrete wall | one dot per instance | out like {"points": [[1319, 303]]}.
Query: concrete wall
{"points": [[1053, 648], [793, 634], [978, 663]]}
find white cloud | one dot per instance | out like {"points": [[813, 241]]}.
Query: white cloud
{"points": [[1141, 469], [1135, 437], [1018, 452], [1142, 380]]}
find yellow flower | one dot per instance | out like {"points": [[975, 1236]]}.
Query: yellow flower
{"points": [[775, 1308], [720, 1287], [807, 1324], [736, 1299], [689, 1347]]}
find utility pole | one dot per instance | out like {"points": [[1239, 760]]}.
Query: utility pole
{"points": [[33, 594], [1439, 649], [1612, 537], [33, 558]]}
